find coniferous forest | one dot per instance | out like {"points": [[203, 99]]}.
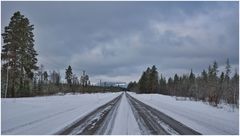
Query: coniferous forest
{"points": [[209, 86]]}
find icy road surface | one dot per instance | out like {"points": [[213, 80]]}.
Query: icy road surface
{"points": [[98, 122], [125, 122], [201, 117]]}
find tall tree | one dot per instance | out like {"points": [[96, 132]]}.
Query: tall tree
{"points": [[162, 85], [153, 80], [142, 83], [18, 52], [147, 78], [69, 75], [228, 71], [213, 93], [176, 82], [45, 76], [235, 86], [191, 77], [192, 86], [170, 86]]}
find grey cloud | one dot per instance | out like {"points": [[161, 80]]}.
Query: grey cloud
{"points": [[120, 39]]}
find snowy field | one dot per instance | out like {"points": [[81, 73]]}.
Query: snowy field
{"points": [[197, 115], [46, 115]]}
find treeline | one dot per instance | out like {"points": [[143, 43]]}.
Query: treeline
{"points": [[21, 77], [208, 86]]}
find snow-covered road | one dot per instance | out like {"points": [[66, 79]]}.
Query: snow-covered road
{"points": [[51, 114], [99, 121], [201, 117], [154, 122], [125, 122]]}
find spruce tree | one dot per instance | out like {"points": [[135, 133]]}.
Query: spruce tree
{"points": [[176, 83], [228, 71], [153, 80], [142, 83], [45, 76], [213, 93], [204, 75], [148, 82], [69, 75], [191, 87], [162, 85], [191, 78], [235, 86]]}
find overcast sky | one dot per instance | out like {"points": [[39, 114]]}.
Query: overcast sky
{"points": [[117, 41]]}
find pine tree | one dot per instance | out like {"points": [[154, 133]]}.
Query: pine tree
{"points": [[162, 85], [45, 76], [176, 83], [192, 86], [215, 70], [222, 76], [69, 75], [148, 82], [213, 94], [202, 84], [204, 75], [235, 86], [153, 80], [228, 71], [221, 86], [191, 77], [18, 53], [170, 86], [142, 83]]}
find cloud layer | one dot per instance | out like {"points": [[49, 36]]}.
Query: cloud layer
{"points": [[117, 40]]}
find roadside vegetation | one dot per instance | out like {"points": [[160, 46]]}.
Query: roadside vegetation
{"points": [[206, 87]]}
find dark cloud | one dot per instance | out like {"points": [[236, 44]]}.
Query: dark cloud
{"points": [[118, 40]]}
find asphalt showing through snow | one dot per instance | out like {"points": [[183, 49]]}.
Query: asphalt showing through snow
{"points": [[150, 120], [97, 122]]}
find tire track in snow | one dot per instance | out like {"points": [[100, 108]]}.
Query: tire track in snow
{"points": [[98, 121], [152, 121], [39, 120]]}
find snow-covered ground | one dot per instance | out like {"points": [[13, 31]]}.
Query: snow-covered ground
{"points": [[125, 123], [46, 115], [197, 115]]}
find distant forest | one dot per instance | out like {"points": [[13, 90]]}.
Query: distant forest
{"points": [[206, 87]]}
